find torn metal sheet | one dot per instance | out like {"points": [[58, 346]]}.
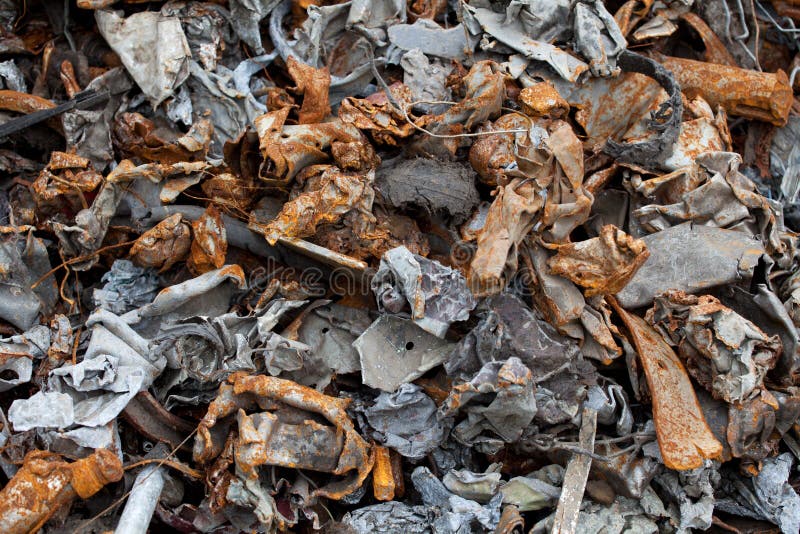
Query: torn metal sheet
{"points": [[395, 351], [432, 39], [510, 30], [735, 256], [488, 424], [152, 47]]}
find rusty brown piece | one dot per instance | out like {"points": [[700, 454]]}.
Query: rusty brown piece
{"points": [[329, 194], [165, 244], [511, 521], [287, 149], [542, 100], [67, 74], [382, 475], [684, 437], [210, 244], [23, 102], [63, 182], [45, 483], [745, 93], [231, 191], [313, 84], [601, 265], [136, 136], [272, 438], [715, 51], [785, 8], [425, 9], [154, 422], [380, 117]]}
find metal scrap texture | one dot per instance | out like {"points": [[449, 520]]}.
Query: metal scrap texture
{"points": [[422, 266]]}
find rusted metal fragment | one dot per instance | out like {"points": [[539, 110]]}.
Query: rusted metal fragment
{"points": [[718, 257], [511, 521], [744, 93], [542, 100], [601, 265], [328, 195], [273, 438], [65, 183], [684, 437], [231, 191], [165, 244], [550, 169], [313, 84], [715, 51], [210, 244], [383, 476], [498, 158], [45, 483], [379, 116], [723, 351], [575, 477], [136, 136], [23, 102], [154, 422], [287, 149]]}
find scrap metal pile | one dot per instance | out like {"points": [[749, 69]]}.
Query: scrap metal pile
{"points": [[427, 266]]}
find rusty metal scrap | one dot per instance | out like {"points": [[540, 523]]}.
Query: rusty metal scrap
{"points": [[264, 439], [45, 483], [684, 437], [746, 93], [603, 265], [538, 259]]}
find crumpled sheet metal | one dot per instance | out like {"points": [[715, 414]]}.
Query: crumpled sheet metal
{"points": [[684, 438], [158, 59], [509, 30], [264, 440], [719, 257], [505, 417], [288, 148], [723, 351], [329, 194], [602, 265], [437, 295], [46, 483]]}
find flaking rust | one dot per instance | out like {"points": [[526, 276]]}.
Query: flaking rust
{"points": [[46, 483]]}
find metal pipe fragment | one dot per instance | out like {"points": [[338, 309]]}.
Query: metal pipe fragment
{"points": [[143, 499], [746, 93], [45, 483]]}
